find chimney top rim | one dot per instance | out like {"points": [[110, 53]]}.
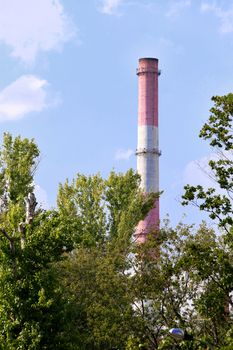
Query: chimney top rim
{"points": [[148, 59]]}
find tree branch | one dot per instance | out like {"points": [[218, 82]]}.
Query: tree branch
{"points": [[10, 239]]}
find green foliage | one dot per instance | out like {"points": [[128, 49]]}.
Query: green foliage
{"points": [[123, 197], [18, 161], [97, 287], [81, 208], [210, 256], [101, 216], [218, 206], [32, 307], [38, 310], [98, 210], [218, 131], [73, 278], [128, 297]]}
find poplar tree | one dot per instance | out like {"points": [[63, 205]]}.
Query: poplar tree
{"points": [[31, 304]]}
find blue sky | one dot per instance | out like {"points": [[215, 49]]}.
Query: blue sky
{"points": [[68, 80]]}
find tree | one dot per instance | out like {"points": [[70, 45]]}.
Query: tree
{"points": [[31, 303], [218, 131], [123, 297], [36, 312], [98, 210], [211, 256], [102, 214], [97, 286]]}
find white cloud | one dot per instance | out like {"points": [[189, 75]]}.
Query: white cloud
{"points": [[122, 154], [198, 172], [167, 44], [29, 27], [41, 197], [25, 95], [110, 7], [225, 16], [113, 7], [176, 7]]}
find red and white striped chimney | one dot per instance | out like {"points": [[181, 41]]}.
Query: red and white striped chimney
{"points": [[148, 140]]}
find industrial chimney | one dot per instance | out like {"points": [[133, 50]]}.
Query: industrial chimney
{"points": [[148, 140]]}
